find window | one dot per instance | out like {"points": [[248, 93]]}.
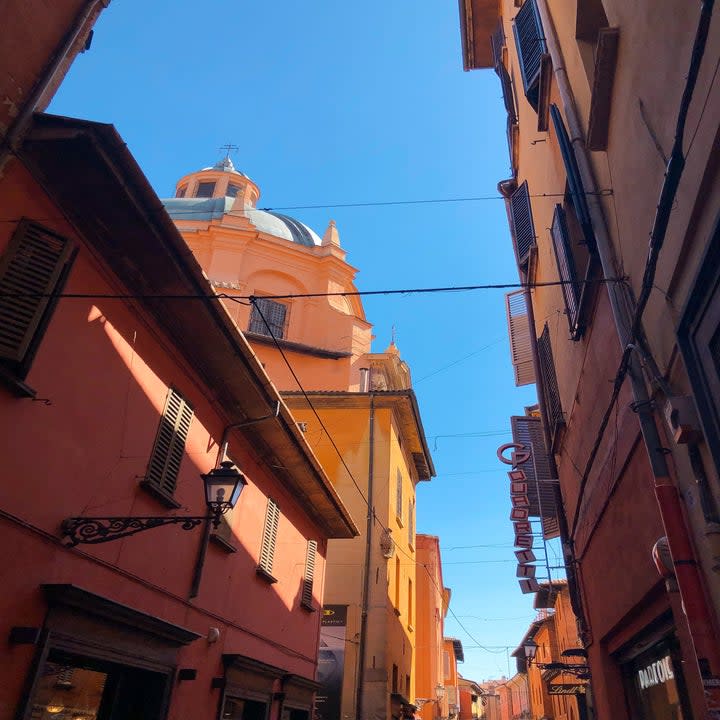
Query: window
{"points": [[169, 448], [519, 331], [566, 269], [205, 189], [397, 584], [267, 549], [307, 589], [407, 686], [399, 496], [590, 17], [542, 490], [574, 181], [233, 190], [240, 709], [523, 228], [699, 340], [35, 264], [268, 317], [410, 603], [181, 191], [548, 384], [394, 678], [531, 48], [411, 523]]}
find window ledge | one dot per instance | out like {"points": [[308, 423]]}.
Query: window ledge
{"points": [[160, 495], [262, 573], [410, 628], [221, 542], [399, 521], [16, 386], [307, 607], [396, 611]]}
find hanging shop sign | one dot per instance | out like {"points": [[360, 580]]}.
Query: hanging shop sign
{"points": [[566, 689], [520, 514]]}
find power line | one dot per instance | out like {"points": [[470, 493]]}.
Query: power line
{"points": [[292, 296], [329, 206]]}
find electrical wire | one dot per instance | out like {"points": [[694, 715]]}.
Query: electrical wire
{"points": [[292, 296], [329, 206]]}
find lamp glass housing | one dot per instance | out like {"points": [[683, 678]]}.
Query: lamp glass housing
{"points": [[530, 648], [223, 486]]}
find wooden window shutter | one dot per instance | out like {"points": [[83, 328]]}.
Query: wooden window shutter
{"points": [[577, 190], [507, 92], [269, 537], [530, 42], [523, 228], [169, 448], [399, 495], [32, 265], [549, 384], [527, 430], [518, 321], [309, 578], [268, 318], [497, 42], [566, 269]]}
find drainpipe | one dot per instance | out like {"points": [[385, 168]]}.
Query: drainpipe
{"points": [[697, 611], [362, 644], [15, 133], [205, 539]]}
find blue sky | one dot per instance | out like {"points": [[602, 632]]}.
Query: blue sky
{"points": [[343, 102]]}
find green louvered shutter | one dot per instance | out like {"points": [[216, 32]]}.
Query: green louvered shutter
{"points": [[169, 447], [31, 266], [523, 228]]}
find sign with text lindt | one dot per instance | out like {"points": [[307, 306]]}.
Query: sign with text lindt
{"points": [[566, 689]]}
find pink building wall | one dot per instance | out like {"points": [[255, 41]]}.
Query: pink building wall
{"points": [[101, 374]]}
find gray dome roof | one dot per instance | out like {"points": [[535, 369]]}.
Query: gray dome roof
{"points": [[226, 165], [265, 221]]}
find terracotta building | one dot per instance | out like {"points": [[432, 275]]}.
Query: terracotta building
{"points": [[40, 43], [613, 198], [284, 286], [124, 382], [470, 699], [433, 600]]}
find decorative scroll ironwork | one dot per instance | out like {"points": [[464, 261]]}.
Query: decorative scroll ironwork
{"points": [[579, 670], [104, 529]]}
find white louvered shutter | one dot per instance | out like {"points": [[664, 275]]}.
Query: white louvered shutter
{"points": [[309, 579], [267, 549], [520, 338], [169, 448]]}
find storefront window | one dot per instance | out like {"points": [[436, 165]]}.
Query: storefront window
{"points": [[654, 685], [241, 709], [73, 687], [67, 692]]}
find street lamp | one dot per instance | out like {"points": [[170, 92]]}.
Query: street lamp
{"points": [[439, 692], [530, 647], [223, 486]]}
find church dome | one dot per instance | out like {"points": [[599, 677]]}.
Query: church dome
{"points": [[221, 189]]}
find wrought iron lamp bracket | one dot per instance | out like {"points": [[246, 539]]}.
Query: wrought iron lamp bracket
{"points": [[95, 530]]}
